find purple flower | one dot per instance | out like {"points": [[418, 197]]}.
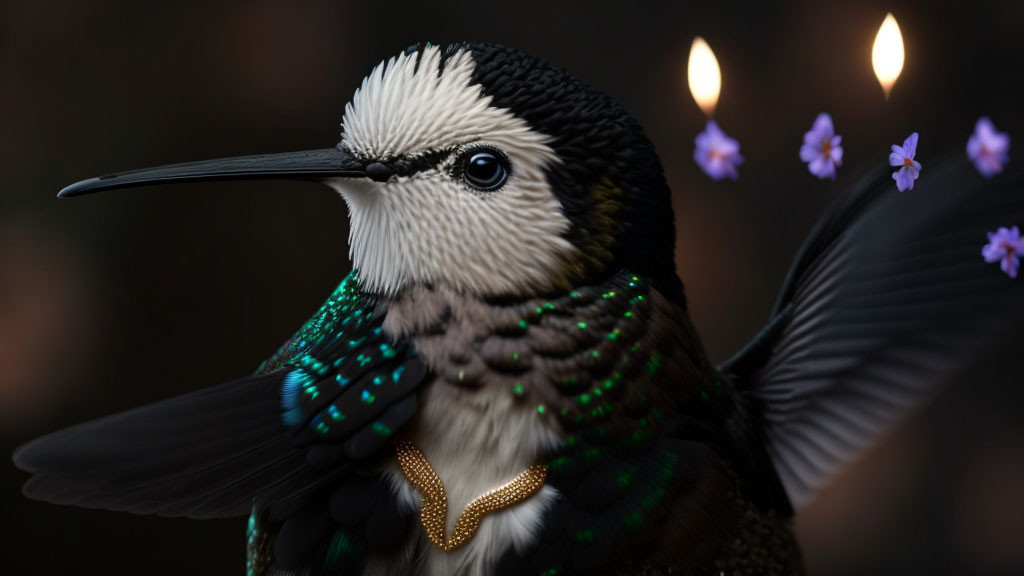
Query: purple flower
{"points": [[821, 149], [903, 156], [1004, 246], [716, 153], [988, 149]]}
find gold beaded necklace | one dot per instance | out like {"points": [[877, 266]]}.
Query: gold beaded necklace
{"points": [[434, 509]]}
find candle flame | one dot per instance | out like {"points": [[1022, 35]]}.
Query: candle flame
{"points": [[704, 76], [887, 53]]}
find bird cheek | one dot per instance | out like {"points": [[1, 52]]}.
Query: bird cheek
{"points": [[354, 189]]}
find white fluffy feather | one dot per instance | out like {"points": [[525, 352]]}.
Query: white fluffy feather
{"points": [[431, 227]]}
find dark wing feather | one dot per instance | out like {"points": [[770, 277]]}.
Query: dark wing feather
{"points": [[166, 458], [329, 397], [888, 299]]}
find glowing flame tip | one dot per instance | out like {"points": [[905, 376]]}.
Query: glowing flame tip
{"points": [[703, 75], [887, 53]]}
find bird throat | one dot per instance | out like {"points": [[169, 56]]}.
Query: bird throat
{"points": [[434, 509]]}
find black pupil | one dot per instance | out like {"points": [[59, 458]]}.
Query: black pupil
{"points": [[485, 170]]}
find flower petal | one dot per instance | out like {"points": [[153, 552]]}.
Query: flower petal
{"points": [[1000, 145], [809, 152], [992, 252], [904, 179], [984, 128], [837, 155], [987, 165], [822, 167], [727, 147], [713, 130], [823, 125], [973, 147], [895, 159], [910, 145], [703, 141], [1010, 264]]}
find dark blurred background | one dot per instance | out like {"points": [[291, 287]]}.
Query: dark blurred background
{"points": [[112, 301]]}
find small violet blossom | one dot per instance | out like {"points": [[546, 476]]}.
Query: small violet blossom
{"points": [[903, 156], [716, 153], [1005, 247], [988, 149], [821, 149]]}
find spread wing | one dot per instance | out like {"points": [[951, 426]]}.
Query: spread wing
{"points": [[889, 298], [327, 400]]}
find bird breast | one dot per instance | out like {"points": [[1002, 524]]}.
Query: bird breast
{"points": [[475, 427]]}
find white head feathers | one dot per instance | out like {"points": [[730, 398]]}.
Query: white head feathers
{"points": [[431, 227]]}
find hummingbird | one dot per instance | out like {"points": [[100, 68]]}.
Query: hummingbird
{"points": [[509, 380]]}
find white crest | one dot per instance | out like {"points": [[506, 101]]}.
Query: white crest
{"points": [[431, 227]]}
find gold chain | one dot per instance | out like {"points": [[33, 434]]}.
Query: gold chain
{"points": [[434, 510]]}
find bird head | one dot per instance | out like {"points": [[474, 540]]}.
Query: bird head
{"points": [[481, 169]]}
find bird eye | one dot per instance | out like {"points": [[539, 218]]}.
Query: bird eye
{"points": [[485, 169]]}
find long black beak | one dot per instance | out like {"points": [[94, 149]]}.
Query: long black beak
{"points": [[310, 165]]}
